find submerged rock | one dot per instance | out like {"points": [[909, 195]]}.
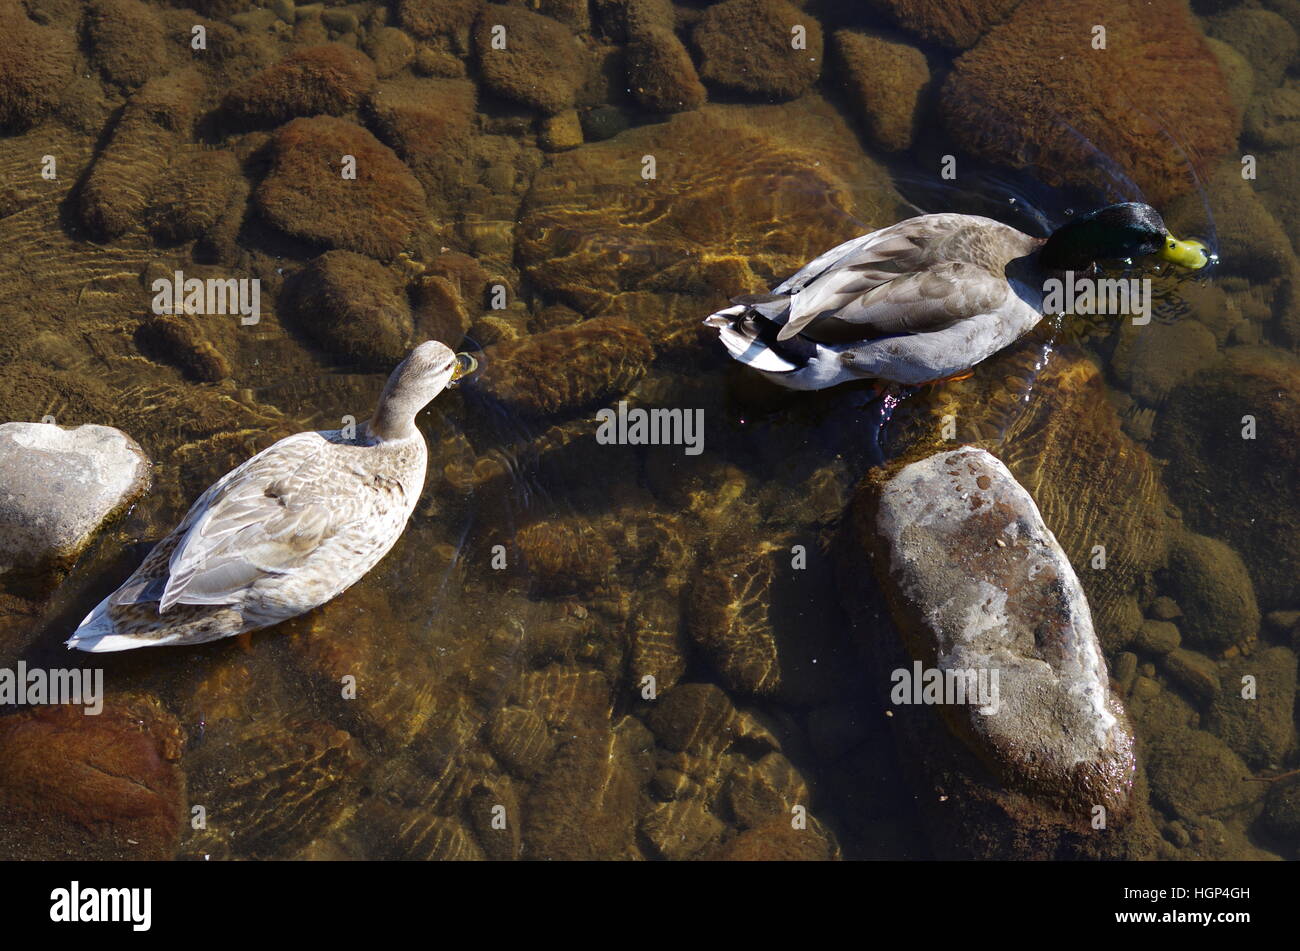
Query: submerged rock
{"points": [[738, 198], [885, 78], [748, 45], [1241, 489], [36, 62], [194, 193], [661, 74], [58, 486], [585, 803], [89, 788], [539, 65], [977, 582], [354, 307], [953, 23], [1263, 37], [270, 786], [1253, 713], [329, 80], [128, 40], [305, 194], [1214, 591], [429, 18], [1005, 100], [161, 115], [428, 122], [564, 371]]}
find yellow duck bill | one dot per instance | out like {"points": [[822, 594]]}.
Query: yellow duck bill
{"points": [[1189, 254]]}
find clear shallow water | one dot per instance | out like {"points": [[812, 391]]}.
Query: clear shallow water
{"points": [[522, 687]]}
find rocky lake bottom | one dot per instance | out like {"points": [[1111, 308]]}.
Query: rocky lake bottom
{"points": [[586, 650]]}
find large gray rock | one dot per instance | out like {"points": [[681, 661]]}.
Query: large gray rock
{"points": [[57, 486], [976, 581]]}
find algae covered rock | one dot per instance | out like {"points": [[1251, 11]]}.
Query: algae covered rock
{"points": [[750, 45], [1241, 489], [58, 486], [1253, 712], [1273, 122], [305, 194], [1214, 591], [585, 803], [564, 371], [158, 117], [354, 307], [98, 787], [1006, 98], [976, 583], [885, 79], [429, 18], [953, 23], [194, 193], [1263, 37], [36, 62], [539, 64], [128, 40], [428, 122], [660, 72], [331, 80]]}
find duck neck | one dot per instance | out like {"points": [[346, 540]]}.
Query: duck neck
{"points": [[394, 418]]}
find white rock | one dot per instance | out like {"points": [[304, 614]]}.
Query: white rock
{"points": [[57, 486], [979, 583]]}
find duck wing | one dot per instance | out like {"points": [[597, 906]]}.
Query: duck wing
{"points": [[948, 244], [265, 518], [923, 302]]}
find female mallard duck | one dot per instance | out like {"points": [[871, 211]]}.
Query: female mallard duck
{"points": [[286, 531], [928, 298]]}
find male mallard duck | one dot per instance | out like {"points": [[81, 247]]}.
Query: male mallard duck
{"points": [[288, 530], [928, 298]]}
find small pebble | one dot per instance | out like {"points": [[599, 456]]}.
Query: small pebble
{"points": [[1165, 609], [1126, 667], [1194, 671], [560, 132], [1157, 637], [341, 21]]}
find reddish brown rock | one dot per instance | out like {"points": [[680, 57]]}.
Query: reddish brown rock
{"points": [[330, 80], [539, 66], [660, 72], [1034, 93], [953, 23], [127, 39], [885, 79], [35, 63], [74, 786], [429, 18], [748, 45], [306, 196], [429, 123]]}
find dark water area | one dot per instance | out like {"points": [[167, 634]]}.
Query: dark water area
{"points": [[586, 650]]}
